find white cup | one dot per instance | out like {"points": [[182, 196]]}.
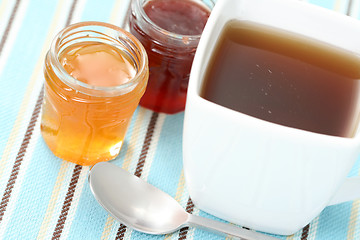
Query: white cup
{"points": [[256, 173]]}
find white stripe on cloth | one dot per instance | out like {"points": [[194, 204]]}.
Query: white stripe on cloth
{"points": [[12, 34], [355, 9], [118, 14], [111, 226], [55, 203], [137, 146], [354, 219], [76, 17], [20, 178], [183, 198], [149, 158], [14, 141], [78, 11], [31, 94], [341, 6], [191, 231], [136, 138], [133, 163], [75, 201], [23, 118], [6, 7], [153, 146], [60, 188], [313, 229]]}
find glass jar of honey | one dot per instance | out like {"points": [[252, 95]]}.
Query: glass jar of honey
{"points": [[170, 31], [95, 74]]}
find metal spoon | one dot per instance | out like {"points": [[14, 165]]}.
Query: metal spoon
{"points": [[145, 208]]}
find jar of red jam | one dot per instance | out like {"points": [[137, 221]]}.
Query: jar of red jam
{"points": [[170, 31]]}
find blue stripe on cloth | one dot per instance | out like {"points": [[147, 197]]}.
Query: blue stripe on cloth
{"points": [[129, 132], [125, 146], [333, 222], [329, 4], [138, 235], [90, 217], [135, 148], [167, 162], [96, 10], [202, 234], [21, 62], [356, 7], [40, 176], [355, 170], [31, 206]]}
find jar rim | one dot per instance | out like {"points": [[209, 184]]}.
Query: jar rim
{"points": [[169, 34], [68, 79]]}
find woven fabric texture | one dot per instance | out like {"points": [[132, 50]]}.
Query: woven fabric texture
{"points": [[43, 197]]}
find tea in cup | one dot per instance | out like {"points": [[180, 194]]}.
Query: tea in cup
{"points": [[271, 121]]}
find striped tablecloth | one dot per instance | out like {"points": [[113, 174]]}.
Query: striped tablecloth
{"points": [[43, 197]]}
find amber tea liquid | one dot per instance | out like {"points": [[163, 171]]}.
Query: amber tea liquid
{"points": [[284, 78]]}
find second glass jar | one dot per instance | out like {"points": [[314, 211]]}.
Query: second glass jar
{"points": [[170, 47]]}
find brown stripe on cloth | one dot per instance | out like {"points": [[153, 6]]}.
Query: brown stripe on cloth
{"points": [[29, 131], [140, 165], [349, 7], [8, 26], [305, 232], [71, 13], [184, 231], [20, 155], [76, 172], [122, 229], [67, 203]]}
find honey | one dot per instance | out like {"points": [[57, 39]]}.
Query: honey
{"points": [[90, 97], [97, 64]]}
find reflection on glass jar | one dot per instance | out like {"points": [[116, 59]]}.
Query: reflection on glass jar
{"points": [[95, 75], [170, 31]]}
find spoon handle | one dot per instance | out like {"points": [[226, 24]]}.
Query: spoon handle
{"points": [[227, 229]]}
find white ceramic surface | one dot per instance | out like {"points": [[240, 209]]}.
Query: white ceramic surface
{"points": [[259, 174]]}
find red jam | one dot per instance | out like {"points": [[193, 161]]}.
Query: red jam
{"points": [[183, 17], [169, 63]]}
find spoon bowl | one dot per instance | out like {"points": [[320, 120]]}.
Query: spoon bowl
{"points": [[132, 202], [145, 208]]}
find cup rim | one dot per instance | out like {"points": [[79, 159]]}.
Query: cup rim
{"points": [[203, 54]]}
